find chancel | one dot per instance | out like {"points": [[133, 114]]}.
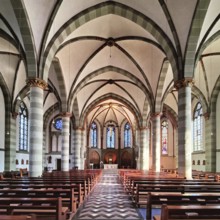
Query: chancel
{"points": [[102, 101]]}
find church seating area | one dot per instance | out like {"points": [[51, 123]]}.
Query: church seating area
{"points": [[55, 195], [150, 190]]}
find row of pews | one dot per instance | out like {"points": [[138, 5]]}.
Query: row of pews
{"points": [[55, 195], [178, 198]]}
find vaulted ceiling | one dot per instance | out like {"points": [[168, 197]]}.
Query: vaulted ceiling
{"points": [[109, 60]]}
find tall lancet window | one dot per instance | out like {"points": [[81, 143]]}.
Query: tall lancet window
{"points": [[110, 136], [93, 135], [198, 128], [127, 135], [23, 127], [164, 137]]}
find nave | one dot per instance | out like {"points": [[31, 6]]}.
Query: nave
{"points": [[108, 200]]}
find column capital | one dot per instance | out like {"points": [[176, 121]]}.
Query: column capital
{"points": [[183, 83], [206, 115], [155, 114], [65, 114], [143, 128], [36, 82], [79, 128], [14, 115]]}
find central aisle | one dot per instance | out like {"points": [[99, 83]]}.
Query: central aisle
{"points": [[108, 201]]}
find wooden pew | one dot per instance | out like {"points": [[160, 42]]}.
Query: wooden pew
{"points": [[67, 195], [180, 199], [84, 188], [38, 206], [174, 212], [142, 190], [18, 217]]}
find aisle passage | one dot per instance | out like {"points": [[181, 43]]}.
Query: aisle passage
{"points": [[108, 201]]}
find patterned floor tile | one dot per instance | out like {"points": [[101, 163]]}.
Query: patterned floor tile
{"points": [[108, 201]]}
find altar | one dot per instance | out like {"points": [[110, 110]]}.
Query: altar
{"points": [[110, 166]]}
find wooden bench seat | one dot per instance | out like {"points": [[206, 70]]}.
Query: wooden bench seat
{"points": [[180, 199], [176, 212], [142, 190], [18, 217], [69, 197], [38, 206]]}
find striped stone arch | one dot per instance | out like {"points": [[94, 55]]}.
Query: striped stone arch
{"points": [[198, 94], [213, 38], [61, 85], [196, 27], [95, 73], [10, 128], [50, 111], [171, 112], [103, 9], [75, 111], [211, 130], [163, 73], [145, 114], [26, 33], [22, 94], [106, 97]]}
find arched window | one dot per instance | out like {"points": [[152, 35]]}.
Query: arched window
{"points": [[23, 127], [164, 137], [198, 128], [127, 135], [110, 136], [93, 134]]}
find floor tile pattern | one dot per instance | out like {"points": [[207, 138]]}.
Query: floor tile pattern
{"points": [[108, 201]]}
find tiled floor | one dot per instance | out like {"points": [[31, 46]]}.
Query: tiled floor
{"points": [[108, 201]]}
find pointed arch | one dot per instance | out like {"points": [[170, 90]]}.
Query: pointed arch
{"points": [[61, 84], [97, 72], [129, 105], [163, 73], [103, 9], [27, 35], [195, 30]]}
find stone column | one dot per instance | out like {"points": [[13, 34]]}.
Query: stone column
{"points": [[184, 128], [210, 140], [37, 87], [65, 141], [144, 149], [10, 141], [76, 147], [156, 148]]}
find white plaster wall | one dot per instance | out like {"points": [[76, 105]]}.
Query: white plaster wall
{"points": [[196, 157], [2, 159], [218, 134], [19, 157], [2, 121]]}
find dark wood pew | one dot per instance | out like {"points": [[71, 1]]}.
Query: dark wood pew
{"points": [[18, 217], [179, 199], [67, 195], [84, 186], [38, 206], [142, 190], [176, 212]]}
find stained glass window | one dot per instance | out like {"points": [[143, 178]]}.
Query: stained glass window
{"points": [[164, 137], [93, 134], [58, 124], [198, 128], [23, 127], [127, 135], [111, 136]]}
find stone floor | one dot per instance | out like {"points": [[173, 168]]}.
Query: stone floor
{"points": [[108, 201]]}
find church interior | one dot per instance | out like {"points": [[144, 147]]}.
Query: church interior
{"points": [[109, 89]]}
